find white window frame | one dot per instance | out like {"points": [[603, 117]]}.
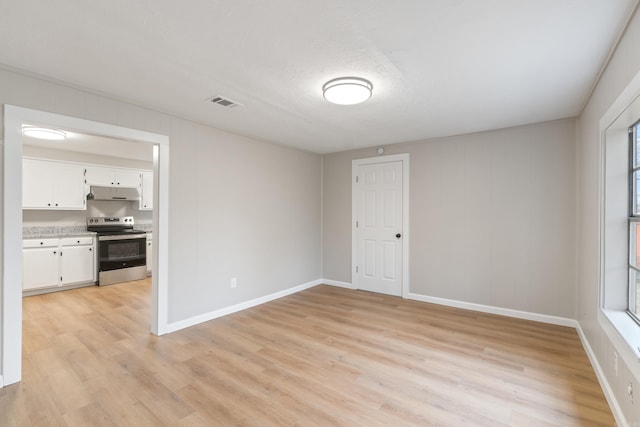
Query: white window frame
{"points": [[634, 218], [613, 316]]}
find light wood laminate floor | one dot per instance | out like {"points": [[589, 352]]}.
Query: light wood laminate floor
{"points": [[323, 357]]}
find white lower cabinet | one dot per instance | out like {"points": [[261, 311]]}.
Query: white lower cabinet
{"points": [[77, 260], [149, 252], [56, 262], [40, 264]]}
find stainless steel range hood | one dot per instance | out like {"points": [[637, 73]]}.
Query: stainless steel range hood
{"points": [[117, 194]]}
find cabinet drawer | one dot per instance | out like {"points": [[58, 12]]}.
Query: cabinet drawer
{"points": [[74, 241], [39, 243]]}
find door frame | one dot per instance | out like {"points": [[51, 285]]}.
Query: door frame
{"points": [[11, 286], [355, 164]]}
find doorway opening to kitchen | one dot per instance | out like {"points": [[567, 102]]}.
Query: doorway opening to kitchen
{"points": [[14, 120]]}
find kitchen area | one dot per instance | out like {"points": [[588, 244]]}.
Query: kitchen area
{"points": [[87, 209]]}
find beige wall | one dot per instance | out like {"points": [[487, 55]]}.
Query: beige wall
{"points": [[491, 217], [238, 207], [624, 65]]}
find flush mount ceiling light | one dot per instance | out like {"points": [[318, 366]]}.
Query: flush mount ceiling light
{"points": [[347, 90], [43, 133]]}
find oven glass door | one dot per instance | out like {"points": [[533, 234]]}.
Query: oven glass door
{"points": [[122, 253]]}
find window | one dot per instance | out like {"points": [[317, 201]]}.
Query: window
{"points": [[634, 221], [619, 243]]}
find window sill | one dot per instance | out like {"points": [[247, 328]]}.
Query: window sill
{"points": [[627, 331]]}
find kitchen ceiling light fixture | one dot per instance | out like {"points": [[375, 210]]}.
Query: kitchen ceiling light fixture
{"points": [[347, 90], [43, 133]]}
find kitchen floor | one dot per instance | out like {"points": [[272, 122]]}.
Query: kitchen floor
{"points": [[324, 356]]}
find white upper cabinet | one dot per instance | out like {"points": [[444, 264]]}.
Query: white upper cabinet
{"points": [[52, 185], [146, 200], [113, 177]]}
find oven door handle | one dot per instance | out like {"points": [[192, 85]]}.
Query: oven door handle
{"points": [[122, 237]]}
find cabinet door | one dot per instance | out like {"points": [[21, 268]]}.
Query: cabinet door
{"points": [[77, 264], [110, 177], [146, 201], [149, 255], [129, 179], [69, 187], [40, 267], [52, 185], [98, 175], [37, 185]]}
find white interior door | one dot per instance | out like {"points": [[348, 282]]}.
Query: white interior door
{"points": [[379, 227]]}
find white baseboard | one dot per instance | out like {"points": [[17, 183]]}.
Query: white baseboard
{"points": [[201, 318], [544, 318], [602, 379], [338, 284], [1, 382]]}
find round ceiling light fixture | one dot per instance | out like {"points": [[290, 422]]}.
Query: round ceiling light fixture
{"points": [[43, 133], [347, 90]]}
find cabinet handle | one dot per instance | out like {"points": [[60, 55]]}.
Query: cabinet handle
{"points": [[55, 252], [48, 204], [42, 243], [78, 241], [90, 249]]}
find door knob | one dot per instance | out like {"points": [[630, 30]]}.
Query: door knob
{"points": [[398, 236]]}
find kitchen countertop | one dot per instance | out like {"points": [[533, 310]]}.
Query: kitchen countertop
{"points": [[67, 231], [53, 232], [144, 227]]}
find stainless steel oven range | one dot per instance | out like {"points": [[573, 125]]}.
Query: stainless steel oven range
{"points": [[122, 250]]}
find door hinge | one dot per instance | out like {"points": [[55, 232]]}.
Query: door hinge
{"points": [[356, 179], [356, 268], [356, 224], [61, 278]]}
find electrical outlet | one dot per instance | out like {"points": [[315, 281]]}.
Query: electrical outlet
{"points": [[234, 282], [615, 363], [630, 391]]}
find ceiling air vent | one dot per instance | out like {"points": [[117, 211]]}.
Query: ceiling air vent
{"points": [[225, 102]]}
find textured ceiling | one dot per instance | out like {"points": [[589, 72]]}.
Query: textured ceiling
{"points": [[439, 67]]}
